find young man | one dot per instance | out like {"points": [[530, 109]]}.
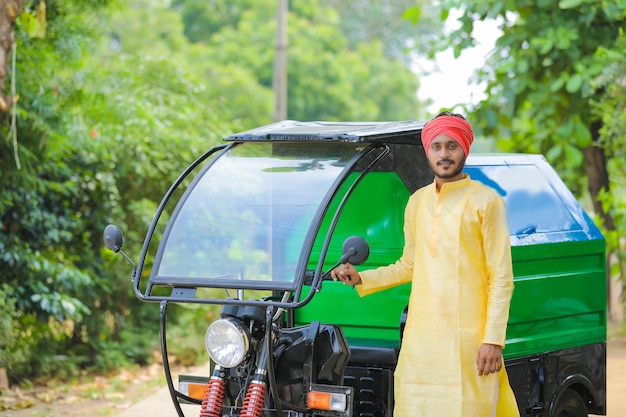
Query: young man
{"points": [[457, 256]]}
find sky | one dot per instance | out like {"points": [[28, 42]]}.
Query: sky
{"points": [[446, 81]]}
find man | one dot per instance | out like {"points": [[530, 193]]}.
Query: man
{"points": [[457, 256]]}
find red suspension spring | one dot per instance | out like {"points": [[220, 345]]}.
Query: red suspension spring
{"points": [[254, 400], [213, 397]]}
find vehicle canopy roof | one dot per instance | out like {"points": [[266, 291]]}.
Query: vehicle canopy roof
{"points": [[291, 130]]}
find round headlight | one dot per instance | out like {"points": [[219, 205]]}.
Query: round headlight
{"points": [[227, 342]]}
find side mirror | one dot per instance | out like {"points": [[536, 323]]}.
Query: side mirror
{"points": [[112, 238], [355, 250]]}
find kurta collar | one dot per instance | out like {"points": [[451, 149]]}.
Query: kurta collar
{"points": [[454, 185]]}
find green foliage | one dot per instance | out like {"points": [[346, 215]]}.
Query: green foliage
{"points": [[10, 350], [202, 20], [186, 333], [360, 21], [328, 79], [614, 204], [401, 27], [46, 205], [222, 97]]}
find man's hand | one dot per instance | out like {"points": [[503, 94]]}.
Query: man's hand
{"points": [[489, 359], [346, 274]]}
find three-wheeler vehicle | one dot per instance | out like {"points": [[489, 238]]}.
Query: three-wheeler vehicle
{"points": [[256, 223]]}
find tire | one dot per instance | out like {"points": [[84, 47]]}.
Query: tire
{"points": [[570, 404]]}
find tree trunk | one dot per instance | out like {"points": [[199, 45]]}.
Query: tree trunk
{"points": [[9, 10], [598, 175]]}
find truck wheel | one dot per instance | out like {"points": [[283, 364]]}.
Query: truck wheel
{"points": [[570, 405]]}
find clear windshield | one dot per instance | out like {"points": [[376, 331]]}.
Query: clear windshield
{"points": [[247, 217]]}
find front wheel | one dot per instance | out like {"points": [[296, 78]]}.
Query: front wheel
{"points": [[571, 404]]}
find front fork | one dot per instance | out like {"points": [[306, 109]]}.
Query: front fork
{"points": [[254, 400], [214, 394]]}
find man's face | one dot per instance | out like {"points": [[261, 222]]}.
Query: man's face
{"points": [[446, 158]]}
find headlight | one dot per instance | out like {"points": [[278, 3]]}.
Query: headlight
{"points": [[227, 342]]}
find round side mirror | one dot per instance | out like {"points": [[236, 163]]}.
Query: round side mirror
{"points": [[355, 250], [112, 238]]}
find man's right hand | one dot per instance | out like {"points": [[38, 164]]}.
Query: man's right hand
{"points": [[346, 274]]}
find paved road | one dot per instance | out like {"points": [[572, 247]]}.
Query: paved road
{"points": [[158, 405]]}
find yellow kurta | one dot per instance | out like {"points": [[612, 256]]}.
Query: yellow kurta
{"points": [[457, 256]]}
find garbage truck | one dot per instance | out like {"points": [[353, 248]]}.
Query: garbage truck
{"points": [[256, 223]]}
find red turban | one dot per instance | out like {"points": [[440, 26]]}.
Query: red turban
{"points": [[457, 128]]}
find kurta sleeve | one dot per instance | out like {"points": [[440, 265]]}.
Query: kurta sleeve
{"points": [[401, 271], [497, 249]]}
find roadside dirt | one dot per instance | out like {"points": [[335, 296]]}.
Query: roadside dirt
{"points": [[616, 376], [95, 396], [131, 392]]}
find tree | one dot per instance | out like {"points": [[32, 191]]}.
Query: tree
{"points": [[230, 90], [386, 22], [203, 19], [328, 79]]}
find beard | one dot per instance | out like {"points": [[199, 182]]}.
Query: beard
{"points": [[450, 173]]}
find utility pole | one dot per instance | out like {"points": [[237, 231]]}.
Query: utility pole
{"points": [[280, 63]]}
